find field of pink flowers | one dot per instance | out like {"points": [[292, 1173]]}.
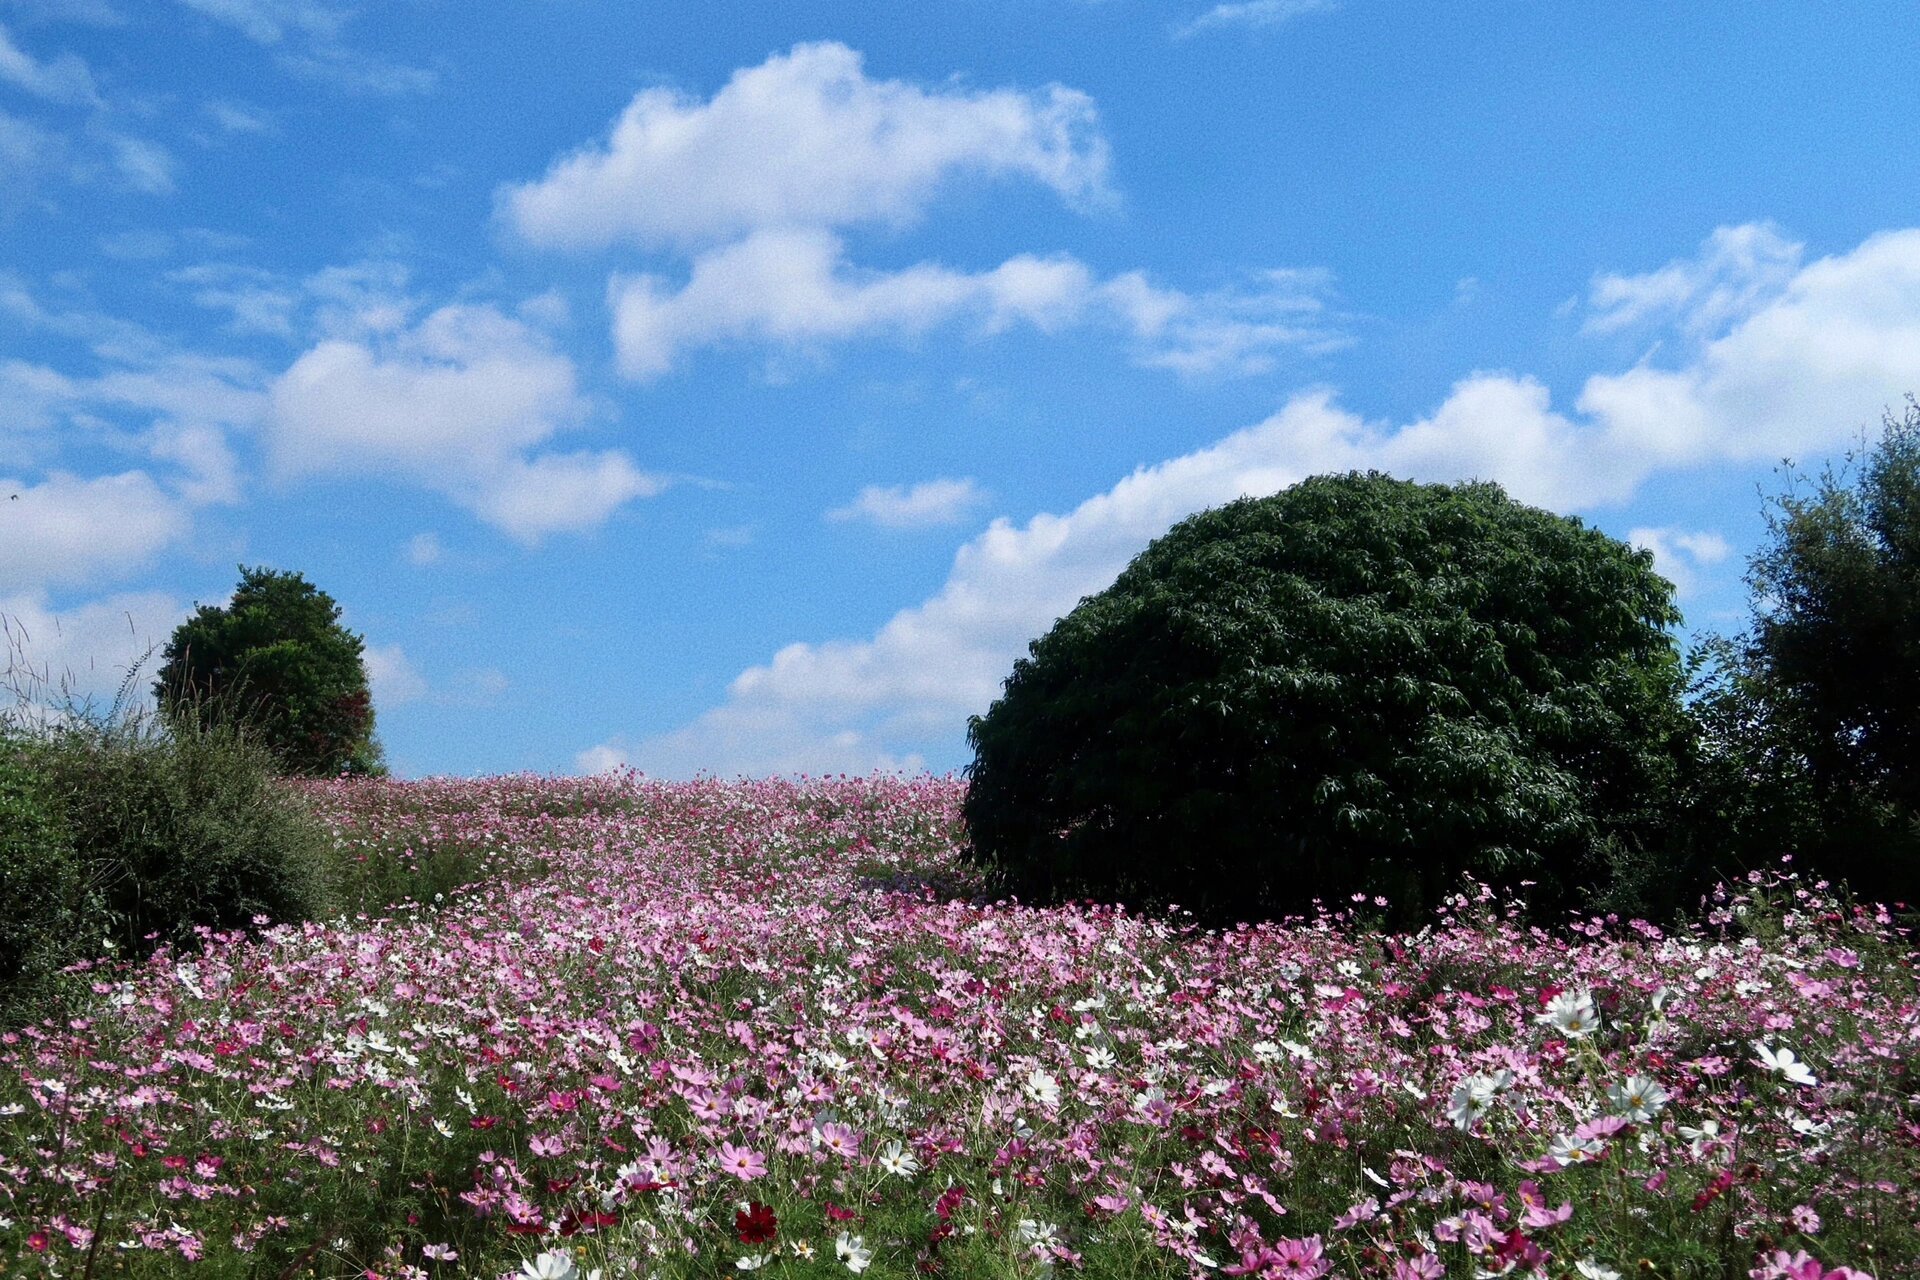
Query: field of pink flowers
{"points": [[704, 1029]]}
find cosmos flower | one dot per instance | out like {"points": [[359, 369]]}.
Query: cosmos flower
{"points": [[1572, 1013], [1782, 1062], [852, 1250], [1637, 1098]]}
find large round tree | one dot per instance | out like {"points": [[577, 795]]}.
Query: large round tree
{"points": [[277, 659], [1356, 685]]}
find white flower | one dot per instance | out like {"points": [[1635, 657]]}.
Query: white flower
{"points": [[1591, 1270], [1036, 1235], [852, 1250], [1637, 1099], [1266, 1051], [1042, 1088], [1100, 1058], [550, 1266], [1572, 1013], [1474, 1096], [1567, 1149], [1704, 1136], [752, 1261], [1783, 1062], [898, 1161]]}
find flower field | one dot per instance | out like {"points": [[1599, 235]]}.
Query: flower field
{"points": [[704, 1029]]}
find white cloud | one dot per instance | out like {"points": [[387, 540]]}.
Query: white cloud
{"points": [[86, 650], [64, 80], [924, 505], [455, 403], [1255, 13], [68, 530], [794, 287], [1834, 346], [1679, 555], [805, 138], [1738, 270], [394, 679]]}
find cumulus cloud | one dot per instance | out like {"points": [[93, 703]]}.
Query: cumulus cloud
{"points": [[67, 530], [921, 506], [458, 404], [1823, 356], [806, 138], [1803, 368], [794, 287]]}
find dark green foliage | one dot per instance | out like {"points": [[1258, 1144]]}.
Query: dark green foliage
{"points": [[1822, 701], [44, 924], [179, 827], [1360, 684], [277, 659]]}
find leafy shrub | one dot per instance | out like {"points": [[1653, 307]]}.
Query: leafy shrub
{"points": [[177, 827], [1357, 685], [41, 882], [277, 659]]}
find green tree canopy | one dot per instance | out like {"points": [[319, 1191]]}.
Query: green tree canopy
{"points": [[1358, 684], [277, 659], [1829, 675]]}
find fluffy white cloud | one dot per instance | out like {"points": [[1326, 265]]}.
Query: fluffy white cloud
{"points": [[68, 530], [794, 287], [1829, 349], [87, 650], [805, 138], [1802, 368], [921, 506], [456, 403]]}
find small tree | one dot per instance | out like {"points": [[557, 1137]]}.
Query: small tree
{"points": [[277, 660], [1359, 684]]}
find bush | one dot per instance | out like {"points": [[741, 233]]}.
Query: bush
{"points": [[276, 659], [44, 925], [1357, 685], [177, 827]]}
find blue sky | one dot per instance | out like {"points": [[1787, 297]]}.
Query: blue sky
{"points": [[740, 388]]}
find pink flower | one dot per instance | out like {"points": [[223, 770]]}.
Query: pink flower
{"points": [[742, 1162]]}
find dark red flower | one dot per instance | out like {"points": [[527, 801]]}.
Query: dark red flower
{"points": [[754, 1224]]}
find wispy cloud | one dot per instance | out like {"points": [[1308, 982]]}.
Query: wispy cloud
{"points": [[926, 505], [1254, 13]]}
